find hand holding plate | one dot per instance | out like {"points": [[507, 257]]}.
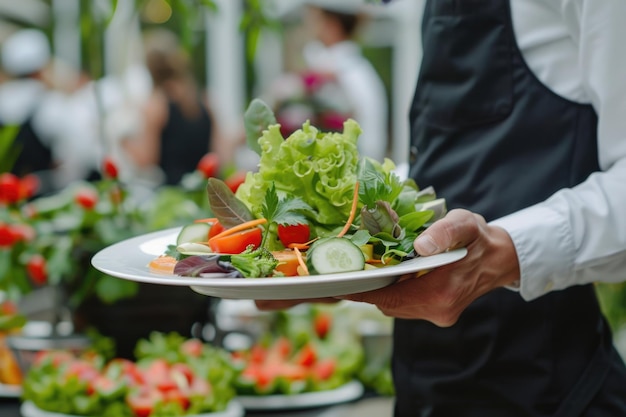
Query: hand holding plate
{"points": [[441, 295]]}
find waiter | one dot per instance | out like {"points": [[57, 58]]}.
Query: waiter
{"points": [[519, 121], [517, 107]]}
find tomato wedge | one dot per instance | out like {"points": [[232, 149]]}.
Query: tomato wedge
{"points": [[293, 233], [216, 229], [237, 242]]}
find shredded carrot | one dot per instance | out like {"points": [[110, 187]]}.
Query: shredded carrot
{"points": [[305, 270], [374, 261], [302, 246], [207, 220], [355, 201], [239, 228]]}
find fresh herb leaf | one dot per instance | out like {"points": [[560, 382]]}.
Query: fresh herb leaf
{"points": [[228, 209], [416, 220], [285, 211], [380, 218], [376, 184], [257, 118]]}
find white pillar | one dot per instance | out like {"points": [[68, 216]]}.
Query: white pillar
{"points": [[407, 55], [226, 66], [66, 41], [120, 38]]}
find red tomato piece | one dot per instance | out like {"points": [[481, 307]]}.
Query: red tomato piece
{"points": [[142, 402], [8, 308], [192, 347], [307, 356], [37, 269], [83, 370], [216, 229], [29, 185], [199, 387], [86, 198], [178, 370], [105, 386], [209, 165], [324, 369], [321, 324], [126, 370], [293, 233], [237, 242], [158, 375], [235, 180], [109, 168], [7, 236], [9, 188]]}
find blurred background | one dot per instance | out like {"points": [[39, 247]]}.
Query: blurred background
{"points": [[113, 113], [97, 68]]}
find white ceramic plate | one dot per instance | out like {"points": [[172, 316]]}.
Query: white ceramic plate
{"points": [[129, 259], [351, 391], [28, 409], [10, 391]]}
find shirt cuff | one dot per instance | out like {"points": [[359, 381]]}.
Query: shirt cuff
{"points": [[544, 246]]}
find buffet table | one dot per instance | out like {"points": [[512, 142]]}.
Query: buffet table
{"points": [[365, 407]]}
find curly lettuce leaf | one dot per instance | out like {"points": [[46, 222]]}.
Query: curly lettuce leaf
{"points": [[318, 167]]}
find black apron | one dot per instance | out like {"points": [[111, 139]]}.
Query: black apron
{"points": [[493, 139]]}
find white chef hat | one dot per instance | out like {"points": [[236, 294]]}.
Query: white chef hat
{"points": [[25, 52]]}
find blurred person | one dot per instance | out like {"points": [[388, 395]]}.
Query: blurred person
{"points": [[177, 127], [334, 25], [27, 100]]}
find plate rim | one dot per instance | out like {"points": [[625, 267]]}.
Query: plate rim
{"points": [[30, 409], [351, 390], [102, 262], [10, 390]]}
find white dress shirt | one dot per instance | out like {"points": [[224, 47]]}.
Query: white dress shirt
{"points": [[578, 49]]}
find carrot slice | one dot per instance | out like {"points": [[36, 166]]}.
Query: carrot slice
{"points": [[287, 262], [240, 227], [305, 270], [207, 220], [355, 201], [162, 265]]}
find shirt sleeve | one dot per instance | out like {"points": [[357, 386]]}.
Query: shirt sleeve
{"points": [[578, 235]]}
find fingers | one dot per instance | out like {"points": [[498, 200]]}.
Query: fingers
{"points": [[458, 229]]}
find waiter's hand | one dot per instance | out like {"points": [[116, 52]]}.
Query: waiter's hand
{"points": [[441, 295]]}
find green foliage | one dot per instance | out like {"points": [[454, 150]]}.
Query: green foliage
{"points": [[612, 299]]}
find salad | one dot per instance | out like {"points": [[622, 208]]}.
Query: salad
{"points": [[313, 207], [172, 376]]}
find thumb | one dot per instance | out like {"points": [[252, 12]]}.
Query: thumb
{"points": [[425, 245], [457, 229]]}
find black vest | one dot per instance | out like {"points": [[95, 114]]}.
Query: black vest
{"points": [[493, 139]]}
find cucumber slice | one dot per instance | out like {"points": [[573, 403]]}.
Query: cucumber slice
{"points": [[195, 232], [334, 255], [193, 248]]}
